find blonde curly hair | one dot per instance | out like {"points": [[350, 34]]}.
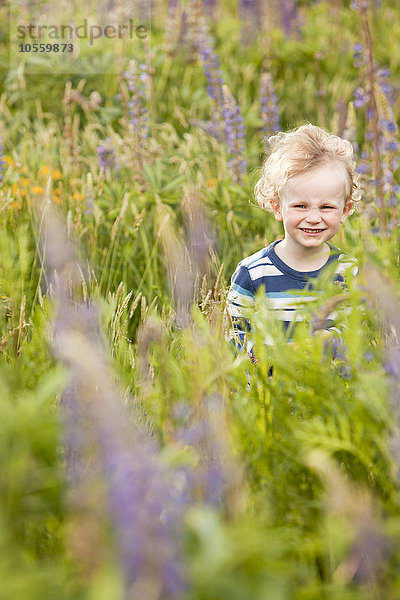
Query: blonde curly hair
{"points": [[298, 151]]}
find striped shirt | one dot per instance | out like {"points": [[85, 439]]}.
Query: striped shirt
{"points": [[282, 286]]}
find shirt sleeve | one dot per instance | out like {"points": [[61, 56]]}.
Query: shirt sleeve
{"points": [[240, 298]]}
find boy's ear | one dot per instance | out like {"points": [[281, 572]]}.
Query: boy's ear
{"points": [[348, 209], [276, 209]]}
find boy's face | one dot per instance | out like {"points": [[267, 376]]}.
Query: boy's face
{"points": [[312, 205]]}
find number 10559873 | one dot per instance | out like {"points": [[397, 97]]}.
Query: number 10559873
{"points": [[45, 48]]}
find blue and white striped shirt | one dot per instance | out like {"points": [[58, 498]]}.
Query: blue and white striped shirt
{"points": [[282, 284]]}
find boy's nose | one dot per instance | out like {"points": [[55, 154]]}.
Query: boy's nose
{"points": [[313, 216]]}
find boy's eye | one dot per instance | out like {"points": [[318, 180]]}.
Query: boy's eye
{"points": [[304, 206]]}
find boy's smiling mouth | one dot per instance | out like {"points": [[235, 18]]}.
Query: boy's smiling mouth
{"points": [[312, 230]]}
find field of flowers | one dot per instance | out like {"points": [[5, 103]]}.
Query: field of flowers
{"points": [[143, 458]]}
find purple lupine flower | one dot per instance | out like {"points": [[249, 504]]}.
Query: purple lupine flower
{"points": [[382, 77], [363, 168], [216, 474], [269, 105], [381, 128], [146, 504], [385, 301], [364, 163], [361, 97], [249, 14], [211, 66], [209, 7], [146, 501], [234, 135], [388, 133], [144, 10], [227, 121], [358, 4], [339, 349], [106, 154], [359, 55], [213, 73], [172, 5], [289, 16], [137, 79]]}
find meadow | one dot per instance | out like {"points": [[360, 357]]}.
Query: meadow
{"points": [[143, 456]]}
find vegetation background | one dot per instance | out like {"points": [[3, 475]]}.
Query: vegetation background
{"points": [[142, 456]]}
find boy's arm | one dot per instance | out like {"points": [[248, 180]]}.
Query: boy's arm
{"points": [[240, 298]]}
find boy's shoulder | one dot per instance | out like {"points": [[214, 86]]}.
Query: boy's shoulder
{"points": [[253, 259]]}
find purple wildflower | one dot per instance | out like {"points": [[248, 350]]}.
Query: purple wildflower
{"points": [[250, 17], [385, 301], [359, 55], [381, 137], [369, 356], [213, 73], [269, 105], [227, 122], [338, 349], [363, 168], [137, 79], [360, 98], [289, 16], [216, 474], [175, 27], [146, 501], [358, 4], [144, 10], [209, 8], [146, 505], [106, 154], [234, 135]]}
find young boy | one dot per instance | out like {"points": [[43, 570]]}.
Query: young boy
{"points": [[309, 182]]}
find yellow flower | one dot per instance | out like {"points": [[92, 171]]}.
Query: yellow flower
{"points": [[57, 174], [9, 161], [37, 189], [15, 204], [5, 297], [57, 191], [22, 192], [14, 189], [45, 171], [25, 181], [212, 182], [77, 196], [56, 199]]}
